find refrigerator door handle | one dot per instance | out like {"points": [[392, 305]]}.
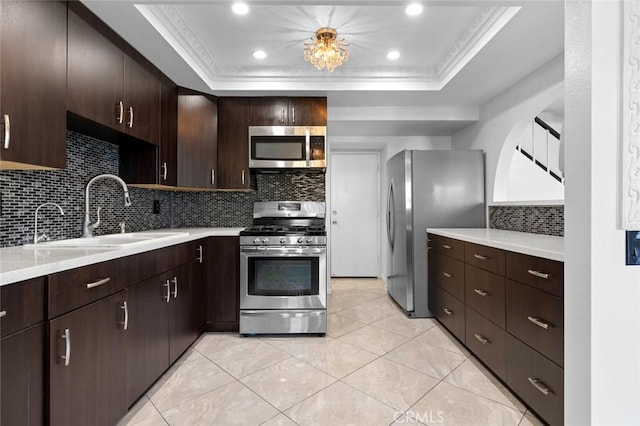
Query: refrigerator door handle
{"points": [[391, 216]]}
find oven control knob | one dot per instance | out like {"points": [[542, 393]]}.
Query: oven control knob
{"points": [[300, 240], [283, 240], [256, 241], [265, 240], [309, 240]]}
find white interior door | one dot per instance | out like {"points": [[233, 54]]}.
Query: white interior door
{"points": [[354, 215]]}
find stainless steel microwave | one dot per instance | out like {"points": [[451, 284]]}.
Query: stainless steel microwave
{"points": [[287, 147]]}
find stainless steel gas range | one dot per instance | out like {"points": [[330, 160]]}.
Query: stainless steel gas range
{"points": [[283, 269]]}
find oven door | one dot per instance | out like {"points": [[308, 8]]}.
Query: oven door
{"points": [[283, 278]]}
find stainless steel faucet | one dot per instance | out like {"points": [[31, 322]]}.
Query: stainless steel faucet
{"points": [[43, 237], [87, 226]]}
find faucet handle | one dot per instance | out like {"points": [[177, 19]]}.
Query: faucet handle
{"points": [[95, 224], [122, 226]]}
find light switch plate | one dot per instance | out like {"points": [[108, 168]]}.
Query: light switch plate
{"points": [[633, 248]]}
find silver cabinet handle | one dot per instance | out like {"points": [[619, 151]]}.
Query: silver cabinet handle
{"points": [[446, 274], [168, 296], [200, 253], [126, 315], [67, 351], [540, 386], [293, 115], [165, 170], [480, 292], [120, 107], [282, 115], [175, 287], [446, 246], [213, 176], [98, 283], [481, 257], [481, 338], [7, 131], [3, 314], [243, 176], [447, 311], [538, 274], [540, 323], [130, 117]]}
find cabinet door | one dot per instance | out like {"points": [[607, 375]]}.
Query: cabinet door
{"points": [[269, 111], [307, 111], [223, 283], [141, 101], [233, 143], [147, 335], [88, 386], [33, 48], [197, 141], [22, 384], [183, 318], [167, 170], [95, 72]]}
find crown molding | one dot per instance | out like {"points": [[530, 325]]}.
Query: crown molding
{"points": [[167, 20]]}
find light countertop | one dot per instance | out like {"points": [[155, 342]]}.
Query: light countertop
{"points": [[22, 263], [546, 246]]}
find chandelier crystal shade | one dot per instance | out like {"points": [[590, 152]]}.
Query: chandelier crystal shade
{"points": [[326, 50]]}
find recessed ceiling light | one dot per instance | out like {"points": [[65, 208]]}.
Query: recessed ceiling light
{"points": [[413, 9], [240, 8], [259, 54], [393, 55]]}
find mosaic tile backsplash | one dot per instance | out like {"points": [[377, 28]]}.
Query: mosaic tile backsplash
{"points": [[23, 191], [547, 220]]}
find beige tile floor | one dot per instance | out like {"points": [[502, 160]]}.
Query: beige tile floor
{"points": [[374, 367]]}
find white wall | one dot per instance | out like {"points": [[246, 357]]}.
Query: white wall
{"points": [[602, 295], [527, 182], [387, 147], [503, 119]]}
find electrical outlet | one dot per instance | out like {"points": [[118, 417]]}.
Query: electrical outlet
{"points": [[156, 206], [633, 248]]}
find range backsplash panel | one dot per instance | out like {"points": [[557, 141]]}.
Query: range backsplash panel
{"points": [[547, 220], [23, 191]]}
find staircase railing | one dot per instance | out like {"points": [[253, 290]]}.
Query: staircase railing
{"points": [[544, 164]]}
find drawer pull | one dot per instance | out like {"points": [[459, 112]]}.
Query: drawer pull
{"points": [[481, 338], [447, 311], [538, 274], [539, 322], [480, 292], [98, 283], [446, 246], [540, 386], [67, 350], [3, 314], [481, 257], [446, 274]]}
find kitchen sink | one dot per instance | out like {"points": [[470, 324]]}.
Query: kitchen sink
{"points": [[110, 241]]}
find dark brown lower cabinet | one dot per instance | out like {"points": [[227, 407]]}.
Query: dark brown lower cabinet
{"points": [[487, 341], [183, 316], [147, 335], [22, 389], [87, 364], [223, 286], [450, 312]]}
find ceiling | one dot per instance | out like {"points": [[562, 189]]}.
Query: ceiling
{"points": [[456, 54]]}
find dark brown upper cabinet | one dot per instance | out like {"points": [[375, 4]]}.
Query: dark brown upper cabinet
{"points": [[105, 84], [283, 111], [233, 143], [33, 52]]}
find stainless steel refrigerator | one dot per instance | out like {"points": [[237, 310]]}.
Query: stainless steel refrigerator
{"points": [[427, 189]]}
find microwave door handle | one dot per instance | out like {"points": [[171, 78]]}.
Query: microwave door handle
{"points": [[307, 142]]}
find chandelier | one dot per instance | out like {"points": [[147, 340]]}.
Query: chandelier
{"points": [[326, 50]]}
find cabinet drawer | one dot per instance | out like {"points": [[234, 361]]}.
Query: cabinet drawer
{"points": [[488, 258], [450, 275], [450, 312], [485, 293], [538, 381], [544, 274], [448, 246], [536, 318], [486, 341], [75, 288], [22, 305]]}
